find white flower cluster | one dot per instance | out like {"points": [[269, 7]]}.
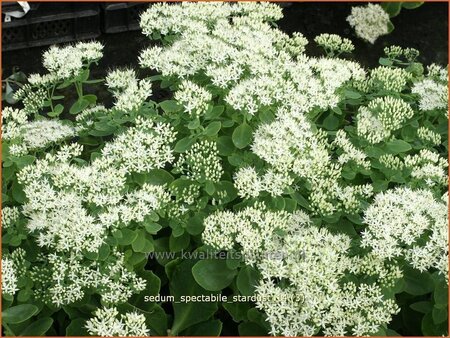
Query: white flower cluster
{"points": [[396, 52], [251, 230], [370, 22], [9, 216], [142, 148], [12, 119], [72, 207], [294, 45], [334, 44], [135, 206], [247, 182], [312, 262], [130, 93], [381, 117], [108, 323], [428, 135], [248, 56], [433, 89], [33, 99], [398, 220], [392, 79], [193, 98], [302, 85], [196, 17], [201, 162], [426, 167], [57, 190], [391, 162], [67, 62], [429, 167], [13, 267], [290, 146], [87, 117], [349, 151], [39, 134], [9, 277], [64, 279], [24, 136]]}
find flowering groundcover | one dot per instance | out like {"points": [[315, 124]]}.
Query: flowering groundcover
{"points": [[273, 193]]}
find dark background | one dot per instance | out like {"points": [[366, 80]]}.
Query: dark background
{"points": [[424, 28]]}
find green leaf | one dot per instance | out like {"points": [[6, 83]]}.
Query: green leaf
{"points": [[83, 76], [23, 161], [301, 200], [266, 116], [237, 310], [392, 8], [390, 26], [79, 106], [397, 146], [159, 177], [38, 328], [385, 62], [65, 84], [91, 98], [17, 192], [417, 283], [23, 295], [183, 284], [194, 225], [439, 315], [103, 252], [422, 307], [128, 236], [225, 145], [211, 328], [194, 124], [77, 328], [93, 81], [152, 289], [184, 144], [210, 188], [429, 328], [170, 106], [89, 141], [57, 110], [139, 242], [242, 136], [214, 112], [351, 94], [249, 329], [176, 244], [412, 5], [213, 128], [331, 122], [213, 274], [247, 280], [152, 228], [440, 294], [19, 313]]}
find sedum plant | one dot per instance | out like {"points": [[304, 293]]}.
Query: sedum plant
{"points": [[271, 193], [372, 21]]}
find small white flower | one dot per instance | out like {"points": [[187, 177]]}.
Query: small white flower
{"points": [[369, 22]]}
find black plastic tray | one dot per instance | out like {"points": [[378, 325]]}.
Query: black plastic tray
{"points": [[122, 16], [52, 23]]}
